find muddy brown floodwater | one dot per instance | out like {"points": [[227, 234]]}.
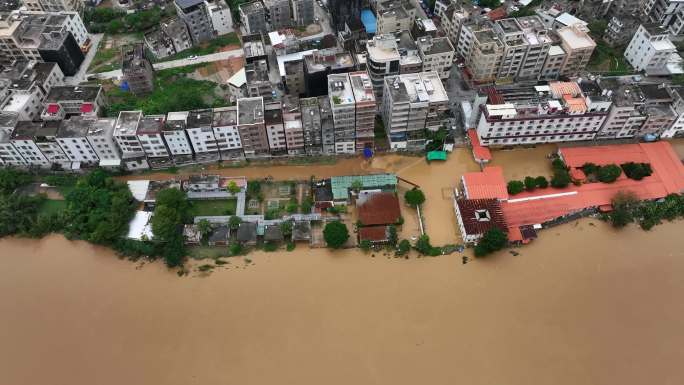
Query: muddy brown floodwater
{"points": [[583, 304]]}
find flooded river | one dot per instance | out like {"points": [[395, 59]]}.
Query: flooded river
{"points": [[583, 304]]}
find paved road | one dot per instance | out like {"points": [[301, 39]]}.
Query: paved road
{"points": [[81, 75], [212, 57]]}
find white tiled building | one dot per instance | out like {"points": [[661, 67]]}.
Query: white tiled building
{"points": [[651, 50], [176, 138], [227, 134], [72, 137], [101, 138], [201, 135]]}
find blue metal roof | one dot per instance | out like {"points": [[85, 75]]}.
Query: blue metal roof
{"points": [[369, 21]]}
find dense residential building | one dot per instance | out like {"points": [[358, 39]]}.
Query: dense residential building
{"points": [[294, 77], [275, 128], [319, 65], [278, 13], [172, 37], [344, 13], [292, 123], [311, 125], [366, 108], [253, 17], [302, 12], [196, 17], [424, 27], [9, 155], [24, 141], [394, 16], [254, 48], [482, 51], [23, 32], [621, 27], [525, 47], [382, 60], [73, 138], [201, 135], [651, 51], [558, 112], [24, 86], [227, 134], [553, 66], [343, 110], [578, 47], [55, 5], [667, 13], [327, 126], [413, 103], [100, 135], [125, 133], [137, 69], [65, 101], [149, 133], [176, 138], [61, 48], [251, 126], [437, 54], [258, 83], [220, 16]]}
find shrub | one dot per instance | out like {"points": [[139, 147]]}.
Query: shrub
{"points": [[424, 247], [541, 182], [558, 164], [561, 178], [623, 203], [589, 168], [291, 246], [636, 171], [392, 237], [365, 245], [515, 187], [335, 234], [404, 247], [235, 249], [530, 183], [608, 173]]}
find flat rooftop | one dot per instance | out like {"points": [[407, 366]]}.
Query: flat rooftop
{"points": [[127, 122], [150, 125], [76, 127], [225, 116], [576, 38], [340, 90], [68, 93], [362, 87], [26, 129], [433, 46], [250, 110], [383, 48], [200, 118], [102, 127]]}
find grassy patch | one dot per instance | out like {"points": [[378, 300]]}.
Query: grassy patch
{"points": [[209, 47], [207, 252], [608, 60], [51, 206], [213, 207]]}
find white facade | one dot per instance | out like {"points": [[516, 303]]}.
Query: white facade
{"points": [[149, 135], [125, 132], [30, 152], [78, 149], [177, 142], [652, 51], [226, 132], [53, 152], [8, 154], [220, 15], [437, 54], [101, 139]]}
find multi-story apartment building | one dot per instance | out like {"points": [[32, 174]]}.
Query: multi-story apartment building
{"points": [[292, 123], [413, 103], [73, 138], [453, 16], [294, 77], [525, 44], [227, 135], [437, 54], [22, 32], [554, 63], [9, 155], [176, 138], [327, 126], [311, 125], [278, 13], [343, 109], [251, 126], [482, 51], [171, 37], [365, 109], [558, 112], [651, 50], [137, 69], [302, 12], [65, 101], [201, 135], [46, 141], [55, 5], [150, 136], [125, 133], [258, 83], [578, 47], [24, 141], [382, 60], [196, 17], [253, 17], [100, 135], [220, 16], [668, 13], [275, 128], [322, 63], [393, 17], [22, 97], [61, 48]]}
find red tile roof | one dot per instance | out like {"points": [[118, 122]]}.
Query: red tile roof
{"points": [[53, 108], [480, 215], [373, 234], [481, 154], [86, 107], [486, 184], [380, 209], [496, 14]]}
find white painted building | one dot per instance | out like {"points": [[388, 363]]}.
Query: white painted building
{"points": [[72, 137], [176, 138], [275, 129], [651, 50], [201, 135], [100, 135], [220, 16], [227, 134], [23, 139], [125, 132]]}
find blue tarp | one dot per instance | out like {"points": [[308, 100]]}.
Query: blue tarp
{"points": [[368, 20]]}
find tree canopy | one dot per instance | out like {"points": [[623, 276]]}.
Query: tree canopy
{"points": [[414, 197], [608, 173], [515, 187], [493, 240], [335, 234]]}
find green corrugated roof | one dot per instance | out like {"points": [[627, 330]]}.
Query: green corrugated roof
{"points": [[437, 155], [340, 184]]}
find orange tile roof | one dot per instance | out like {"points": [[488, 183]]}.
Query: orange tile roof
{"points": [[575, 104], [489, 183], [565, 88], [481, 154], [497, 13], [373, 234], [381, 208]]}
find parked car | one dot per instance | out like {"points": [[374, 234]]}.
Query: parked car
{"points": [[193, 57]]}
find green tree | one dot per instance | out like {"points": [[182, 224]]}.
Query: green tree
{"points": [[530, 183], [392, 237], [233, 187], [234, 222], [414, 197], [491, 4], [176, 198], [558, 164], [636, 171], [286, 228], [306, 206], [424, 246], [561, 178], [166, 223], [608, 173], [590, 168], [335, 234], [11, 179], [404, 247], [624, 203], [493, 240], [292, 207], [515, 187], [541, 182]]}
